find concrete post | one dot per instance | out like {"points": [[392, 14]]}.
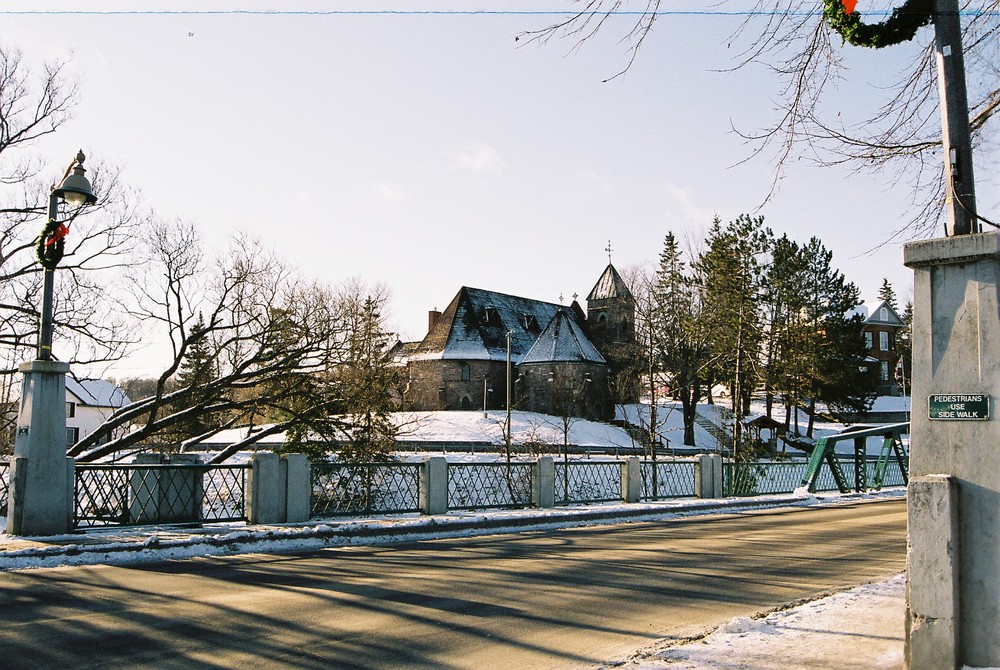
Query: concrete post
{"points": [[631, 480], [543, 483], [703, 481], [39, 501], [144, 489], [181, 490], [266, 502], [956, 342], [298, 488], [932, 558], [434, 485]]}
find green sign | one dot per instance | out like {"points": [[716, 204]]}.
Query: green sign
{"points": [[959, 406]]}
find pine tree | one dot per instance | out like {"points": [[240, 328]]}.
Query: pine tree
{"points": [[887, 294], [904, 348], [679, 334], [197, 372], [730, 274]]}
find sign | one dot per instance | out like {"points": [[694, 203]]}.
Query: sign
{"points": [[959, 406]]}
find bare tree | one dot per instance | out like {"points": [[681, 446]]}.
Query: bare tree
{"points": [[89, 329], [899, 138]]}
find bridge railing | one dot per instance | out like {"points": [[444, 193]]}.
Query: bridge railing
{"points": [[864, 475]]}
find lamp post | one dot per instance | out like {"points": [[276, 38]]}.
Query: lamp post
{"points": [[41, 481]]}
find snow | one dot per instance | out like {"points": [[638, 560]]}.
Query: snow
{"points": [[824, 633]]}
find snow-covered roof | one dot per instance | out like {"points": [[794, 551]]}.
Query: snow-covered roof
{"points": [[97, 392], [563, 341], [474, 326], [610, 285]]}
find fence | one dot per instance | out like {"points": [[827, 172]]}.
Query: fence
{"points": [[152, 494], [4, 486], [766, 477], [157, 493], [369, 488]]}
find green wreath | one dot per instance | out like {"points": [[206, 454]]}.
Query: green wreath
{"points": [[51, 244], [901, 26]]}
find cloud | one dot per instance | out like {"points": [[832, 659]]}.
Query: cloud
{"points": [[480, 158], [681, 202]]}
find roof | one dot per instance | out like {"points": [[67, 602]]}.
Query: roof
{"points": [[610, 285], [97, 392], [871, 313], [563, 341], [474, 326]]}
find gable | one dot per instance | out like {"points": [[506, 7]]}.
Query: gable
{"points": [[475, 324]]}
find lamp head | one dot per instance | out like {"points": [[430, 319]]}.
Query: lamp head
{"points": [[75, 188]]}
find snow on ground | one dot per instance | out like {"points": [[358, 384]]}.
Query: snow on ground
{"points": [[670, 422], [474, 426], [860, 629]]}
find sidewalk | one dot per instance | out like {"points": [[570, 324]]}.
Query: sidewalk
{"points": [[862, 628]]}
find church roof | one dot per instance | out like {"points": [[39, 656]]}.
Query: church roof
{"points": [[474, 326], [610, 285], [563, 341]]}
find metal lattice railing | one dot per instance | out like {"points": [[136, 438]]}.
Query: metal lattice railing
{"points": [[489, 485], [667, 479], [154, 494], [370, 488], [588, 481], [764, 477], [4, 486]]}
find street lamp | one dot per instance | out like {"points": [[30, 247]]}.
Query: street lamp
{"points": [[40, 495], [75, 190]]}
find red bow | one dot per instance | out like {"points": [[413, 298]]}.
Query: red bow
{"points": [[61, 231]]}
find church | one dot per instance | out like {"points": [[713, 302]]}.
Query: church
{"points": [[557, 359]]}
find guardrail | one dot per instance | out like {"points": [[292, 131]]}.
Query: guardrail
{"points": [[369, 488], [154, 494]]}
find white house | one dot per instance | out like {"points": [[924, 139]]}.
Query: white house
{"points": [[89, 402]]}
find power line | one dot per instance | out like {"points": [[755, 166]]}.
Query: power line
{"points": [[433, 12]]}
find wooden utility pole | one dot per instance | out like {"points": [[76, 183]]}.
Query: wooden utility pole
{"points": [[960, 191]]}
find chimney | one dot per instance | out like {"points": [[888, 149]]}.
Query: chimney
{"points": [[432, 318]]}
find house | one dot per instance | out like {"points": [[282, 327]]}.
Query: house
{"points": [[881, 325], [557, 359], [89, 402]]}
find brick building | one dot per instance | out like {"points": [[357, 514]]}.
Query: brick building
{"points": [[881, 326]]}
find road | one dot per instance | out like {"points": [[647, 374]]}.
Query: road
{"points": [[546, 599]]}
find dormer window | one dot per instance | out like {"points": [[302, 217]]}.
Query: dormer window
{"points": [[531, 323], [491, 317], [883, 314]]}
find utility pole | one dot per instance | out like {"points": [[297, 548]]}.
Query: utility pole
{"points": [[960, 194]]}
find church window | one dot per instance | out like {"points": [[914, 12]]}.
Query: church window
{"points": [[466, 402], [466, 372], [602, 320]]}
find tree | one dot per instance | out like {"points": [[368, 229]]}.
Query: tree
{"points": [[899, 136], [887, 294], [88, 326], [679, 333], [730, 276], [904, 348], [783, 301], [197, 372]]}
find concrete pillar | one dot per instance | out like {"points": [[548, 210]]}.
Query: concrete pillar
{"points": [[956, 351], [181, 490], [266, 500], [932, 558], [543, 483], [298, 488], [39, 500], [434, 485], [631, 480], [144, 489], [703, 477]]}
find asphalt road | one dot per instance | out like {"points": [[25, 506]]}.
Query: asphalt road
{"points": [[547, 599]]}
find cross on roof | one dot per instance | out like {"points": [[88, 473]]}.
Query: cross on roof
{"points": [[608, 249]]}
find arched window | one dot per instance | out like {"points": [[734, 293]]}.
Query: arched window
{"points": [[883, 314], [602, 320], [466, 372], [466, 402]]}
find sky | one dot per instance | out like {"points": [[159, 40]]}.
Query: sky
{"points": [[427, 151]]}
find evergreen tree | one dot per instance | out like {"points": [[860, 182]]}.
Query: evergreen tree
{"points": [[783, 302], [730, 274], [904, 349], [679, 334], [197, 372], [887, 294]]}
